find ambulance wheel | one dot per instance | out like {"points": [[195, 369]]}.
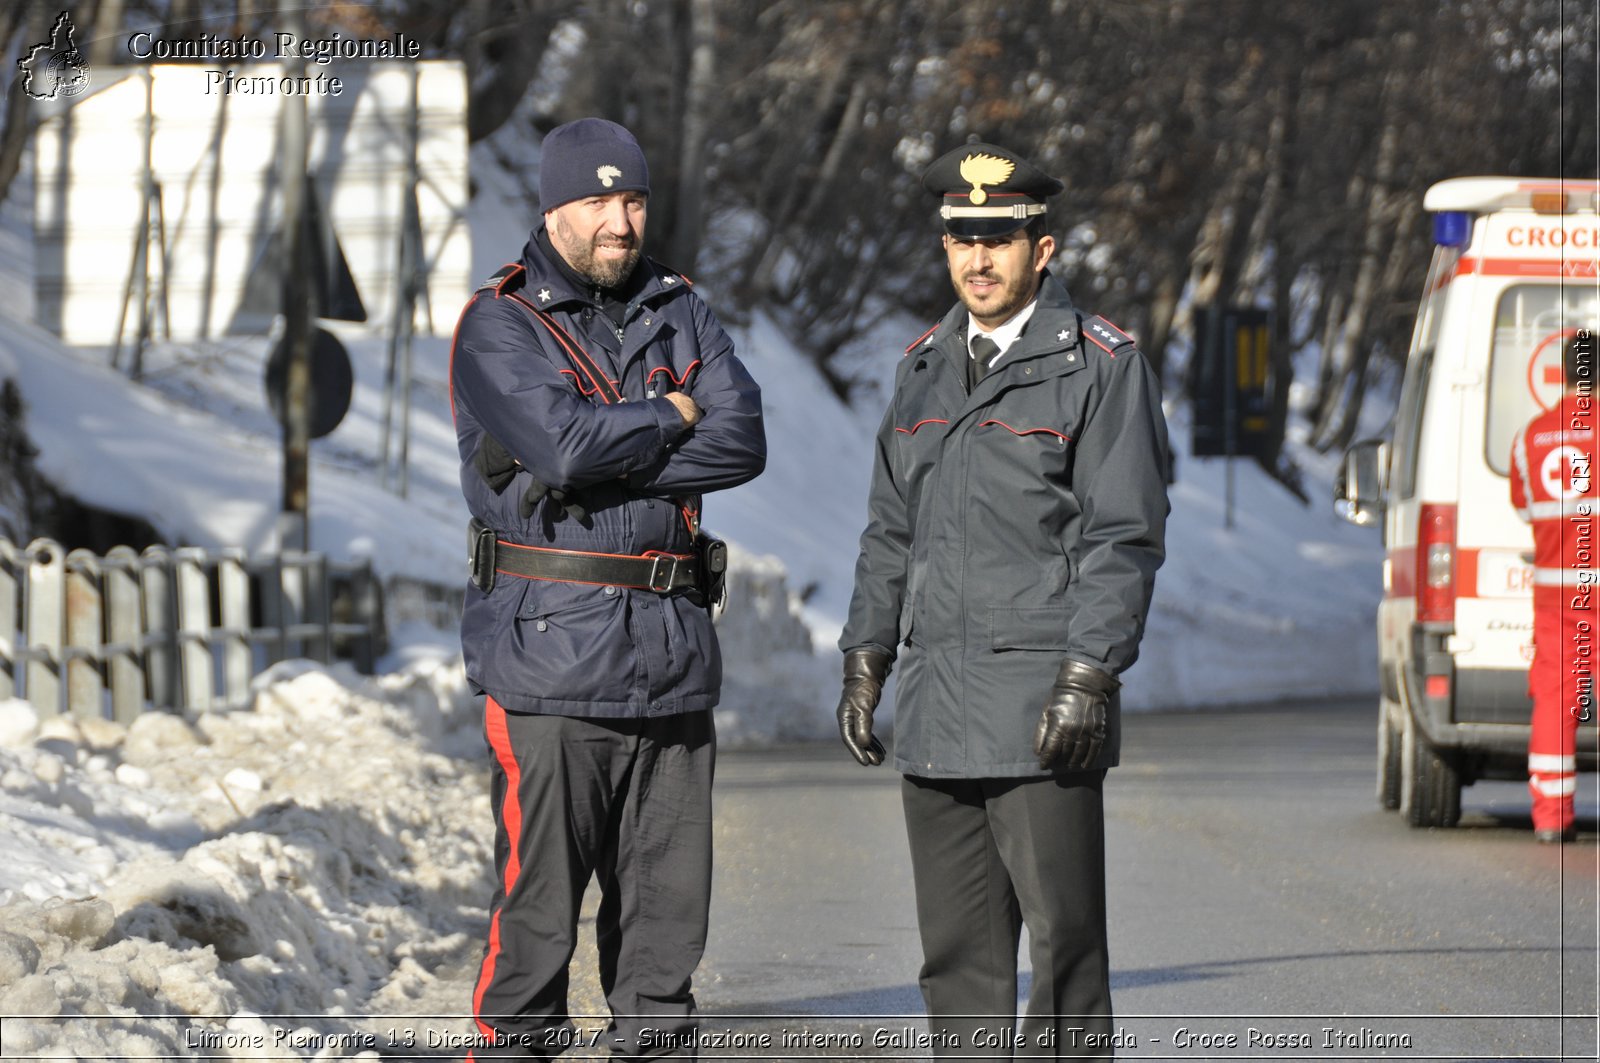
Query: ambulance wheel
{"points": [[1430, 790], [1390, 769]]}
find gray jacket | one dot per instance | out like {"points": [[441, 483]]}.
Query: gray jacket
{"points": [[1007, 529]]}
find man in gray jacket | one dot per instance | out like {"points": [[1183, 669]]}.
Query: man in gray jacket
{"points": [[1016, 521]]}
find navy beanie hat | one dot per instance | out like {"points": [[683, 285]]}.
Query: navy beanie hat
{"points": [[589, 157]]}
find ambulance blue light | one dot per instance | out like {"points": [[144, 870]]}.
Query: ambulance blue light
{"points": [[1452, 228]]}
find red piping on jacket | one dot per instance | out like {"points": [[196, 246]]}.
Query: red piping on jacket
{"points": [[913, 429], [667, 369], [455, 335], [578, 383], [1097, 343], [922, 337], [1029, 431]]}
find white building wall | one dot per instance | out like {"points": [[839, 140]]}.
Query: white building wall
{"points": [[215, 156]]}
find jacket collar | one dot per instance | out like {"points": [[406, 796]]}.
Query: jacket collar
{"points": [[549, 286], [1053, 327]]}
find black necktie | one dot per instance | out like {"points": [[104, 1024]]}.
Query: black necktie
{"points": [[984, 350]]}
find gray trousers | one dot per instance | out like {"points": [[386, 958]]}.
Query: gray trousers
{"points": [[628, 801], [987, 857]]}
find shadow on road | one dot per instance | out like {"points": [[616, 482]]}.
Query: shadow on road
{"points": [[1207, 971]]}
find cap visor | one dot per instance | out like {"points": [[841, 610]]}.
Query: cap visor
{"points": [[983, 228]]}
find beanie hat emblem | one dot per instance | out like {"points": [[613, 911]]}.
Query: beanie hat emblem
{"points": [[589, 157]]}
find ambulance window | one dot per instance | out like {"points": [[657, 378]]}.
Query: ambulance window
{"points": [[1408, 424], [1531, 325], [1430, 315]]}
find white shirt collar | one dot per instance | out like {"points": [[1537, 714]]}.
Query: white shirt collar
{"points": [[1006, 334]]}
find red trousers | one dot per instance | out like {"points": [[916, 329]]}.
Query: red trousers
{"points": [[1561, 683]]}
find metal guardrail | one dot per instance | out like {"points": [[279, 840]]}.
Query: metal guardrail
{"points": [[182, 629]]}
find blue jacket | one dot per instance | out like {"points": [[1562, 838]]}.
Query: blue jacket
{"points": [[572, 649]]}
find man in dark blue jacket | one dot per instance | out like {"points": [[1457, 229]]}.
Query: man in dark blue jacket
{"points": [[595, 399]]}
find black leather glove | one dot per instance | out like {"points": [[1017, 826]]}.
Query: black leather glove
{"points": [[494, 463], [1073, 726], [864, 673], [498, 468], [567, 500]]}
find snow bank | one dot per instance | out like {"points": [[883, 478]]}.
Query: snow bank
{"points": [[775, 687], [257, 883]]}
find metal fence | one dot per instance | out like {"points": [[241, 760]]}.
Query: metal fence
{"points": [[171, 629]]}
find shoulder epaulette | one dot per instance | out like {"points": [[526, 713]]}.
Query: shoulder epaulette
{"points": [[671, 277], [918, 341], [1106, 336], [508, 278]]}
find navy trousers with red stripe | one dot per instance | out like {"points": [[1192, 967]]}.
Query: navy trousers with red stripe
{"points": [[628, 801]]}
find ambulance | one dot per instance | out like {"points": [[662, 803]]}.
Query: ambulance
{"points": [[1515, 272]]}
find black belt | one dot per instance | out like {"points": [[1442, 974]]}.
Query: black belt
{"points": [[656, 571]]}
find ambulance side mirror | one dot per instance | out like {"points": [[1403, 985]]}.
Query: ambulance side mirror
{"points": [[1358, 492]]}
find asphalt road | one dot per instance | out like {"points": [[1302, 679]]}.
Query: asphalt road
{"points": [[1261, 905]]}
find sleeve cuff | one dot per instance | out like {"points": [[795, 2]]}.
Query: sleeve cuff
{"points": [[668, 420]]}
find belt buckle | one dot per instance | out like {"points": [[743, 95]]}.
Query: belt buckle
{"points": [[654, 582]]}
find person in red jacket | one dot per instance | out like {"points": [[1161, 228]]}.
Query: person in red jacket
{"points": [[1553, 489]]}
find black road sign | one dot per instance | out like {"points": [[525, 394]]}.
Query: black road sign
{"points": [[331, 381], [1231, 383]]}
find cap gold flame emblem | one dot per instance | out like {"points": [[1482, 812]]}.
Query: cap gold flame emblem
{"points": [[980, 170]]}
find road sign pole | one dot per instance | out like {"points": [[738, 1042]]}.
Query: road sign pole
{"points": [[294, 521], [1221, 334]]}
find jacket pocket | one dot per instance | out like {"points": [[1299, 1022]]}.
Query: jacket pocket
{"points": [[573, 643], [1029, 629], [1021, 453], [917, 448], [904, 625], [694, 656]]}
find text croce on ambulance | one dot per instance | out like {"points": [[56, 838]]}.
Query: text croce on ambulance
{"points": [[1515, 273]]}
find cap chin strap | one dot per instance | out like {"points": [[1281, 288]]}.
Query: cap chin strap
{"points": [[1015, 210]]}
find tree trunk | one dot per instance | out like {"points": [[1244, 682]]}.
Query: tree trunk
{"points": [[518, 49], [792, 210], [19, 116], [1352, 347], [1163, 309], [107, 33], [690, 213], [1282, 362]]}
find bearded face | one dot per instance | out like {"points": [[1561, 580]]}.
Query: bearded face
{"points": [[601, 237], [996, 276]]}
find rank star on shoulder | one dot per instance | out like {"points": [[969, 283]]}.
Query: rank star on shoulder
{"points": [[544, 295], [1064, 335]]}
